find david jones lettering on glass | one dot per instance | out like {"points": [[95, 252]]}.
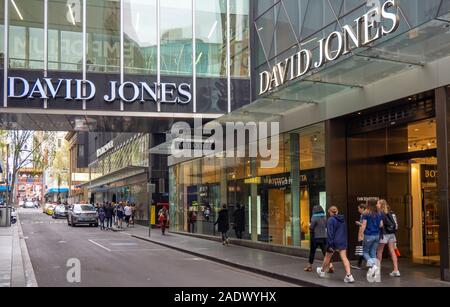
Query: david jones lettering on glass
{"points": [[367, 31], [48, 88]]}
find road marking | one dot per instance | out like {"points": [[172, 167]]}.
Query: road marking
{"points": [[98, 244], [123, 244]]}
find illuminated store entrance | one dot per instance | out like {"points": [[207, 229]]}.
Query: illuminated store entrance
{"points": [[399, 163]]}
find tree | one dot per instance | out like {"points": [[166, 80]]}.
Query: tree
{"points": [[24, 149]]}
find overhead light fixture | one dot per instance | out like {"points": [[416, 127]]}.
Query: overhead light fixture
{"points": [[212, 29], [17, 9]]}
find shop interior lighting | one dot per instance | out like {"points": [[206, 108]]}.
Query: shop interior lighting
{"points": [[17, 9]]}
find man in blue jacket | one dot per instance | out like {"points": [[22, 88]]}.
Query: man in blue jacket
{"points": [[336, 242]]}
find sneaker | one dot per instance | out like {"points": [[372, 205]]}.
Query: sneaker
{"points": [[395, 274], [349, 279], [320, 272], [308, 269]]}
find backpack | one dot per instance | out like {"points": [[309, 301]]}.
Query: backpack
{"points": [[390, 223]]}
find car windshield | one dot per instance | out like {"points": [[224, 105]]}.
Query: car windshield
{"points": [[86, 208]]}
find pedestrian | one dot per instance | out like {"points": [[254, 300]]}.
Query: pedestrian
{"points": [[318, 228], [359, 251], [162, 219], [192, 219], [239, 221], [101, 218], [114, 217], [120, 215], [370, 233], [388, 236], [337, 242], [133, 213], [223, 224], [109, 213], [128, 212]]}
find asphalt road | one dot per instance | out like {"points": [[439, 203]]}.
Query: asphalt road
{"points": [[114, 259]]}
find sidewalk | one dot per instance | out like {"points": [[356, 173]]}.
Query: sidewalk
{"points": [[15, 265], [285, 267]]}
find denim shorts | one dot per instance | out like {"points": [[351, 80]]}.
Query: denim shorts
{"points": [[388, 238]]}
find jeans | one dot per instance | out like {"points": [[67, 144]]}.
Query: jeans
{"points": [[370, 249], [109, 222], [224, 236], [317, 243]]}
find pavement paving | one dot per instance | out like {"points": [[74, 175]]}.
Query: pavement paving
{"points": [[15, 266], [288, 268], [108, 259]]}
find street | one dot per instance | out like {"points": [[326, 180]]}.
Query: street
{"points": [[110, 259]]}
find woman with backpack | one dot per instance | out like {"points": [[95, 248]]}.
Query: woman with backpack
{"points": [[389, 230]]}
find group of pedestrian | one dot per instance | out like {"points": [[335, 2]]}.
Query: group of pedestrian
{"points": [[112, 213], [377, 228]]}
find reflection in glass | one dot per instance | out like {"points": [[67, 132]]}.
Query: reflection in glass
{"points": [[211, 36], [65, 37], [239, 40], [140, 49], [176, 37], [103, 37], [26, 35]]}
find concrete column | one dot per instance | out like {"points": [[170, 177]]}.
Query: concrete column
{"points": [[223, 180], [295, 187], [443, 136]]}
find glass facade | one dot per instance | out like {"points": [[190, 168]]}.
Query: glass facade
{"points": [[170, 41], [279, 199]]}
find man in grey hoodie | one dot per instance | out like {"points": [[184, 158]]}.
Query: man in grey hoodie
{"points": [[318, 228]]}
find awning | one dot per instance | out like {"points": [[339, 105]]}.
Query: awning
{"points": [[58, 190], [121, 174]]}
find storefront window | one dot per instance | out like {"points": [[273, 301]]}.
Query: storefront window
{"points": [[239, 40], [26, 34]]}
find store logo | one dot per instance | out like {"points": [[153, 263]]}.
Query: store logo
{"points": [[241, 140], [105, 149], [370, 27], [79, 90]]}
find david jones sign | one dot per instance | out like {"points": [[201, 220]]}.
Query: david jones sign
{"points": [[338, 43], [76, 89]]}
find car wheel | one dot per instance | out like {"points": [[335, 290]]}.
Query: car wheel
{"points": [[72, 223], [96, 225]]}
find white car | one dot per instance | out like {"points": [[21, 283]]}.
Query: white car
{"points": [[29, 204]]}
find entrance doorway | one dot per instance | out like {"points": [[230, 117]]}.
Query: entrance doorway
{"points": [[413, 195]]}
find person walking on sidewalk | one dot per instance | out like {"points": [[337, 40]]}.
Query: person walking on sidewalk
{"points": [[109, 212], [120, 215], [128, 213], [336, 243], [239, 221], [101, 218], [370, 233], [388, 237], [223, 224], [359, 252], [162, 219], [318, 228], [192, 219]]}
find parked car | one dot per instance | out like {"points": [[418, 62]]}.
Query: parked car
{"points": [[29, 204], [60, 211], [50, 209], [79, 214], [45, 207]]}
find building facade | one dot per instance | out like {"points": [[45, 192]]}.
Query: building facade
{"points": [[360, 91]]}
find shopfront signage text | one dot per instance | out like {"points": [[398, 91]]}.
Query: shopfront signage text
{"points": [[85, 90], [376, 23], [105, 149]]}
